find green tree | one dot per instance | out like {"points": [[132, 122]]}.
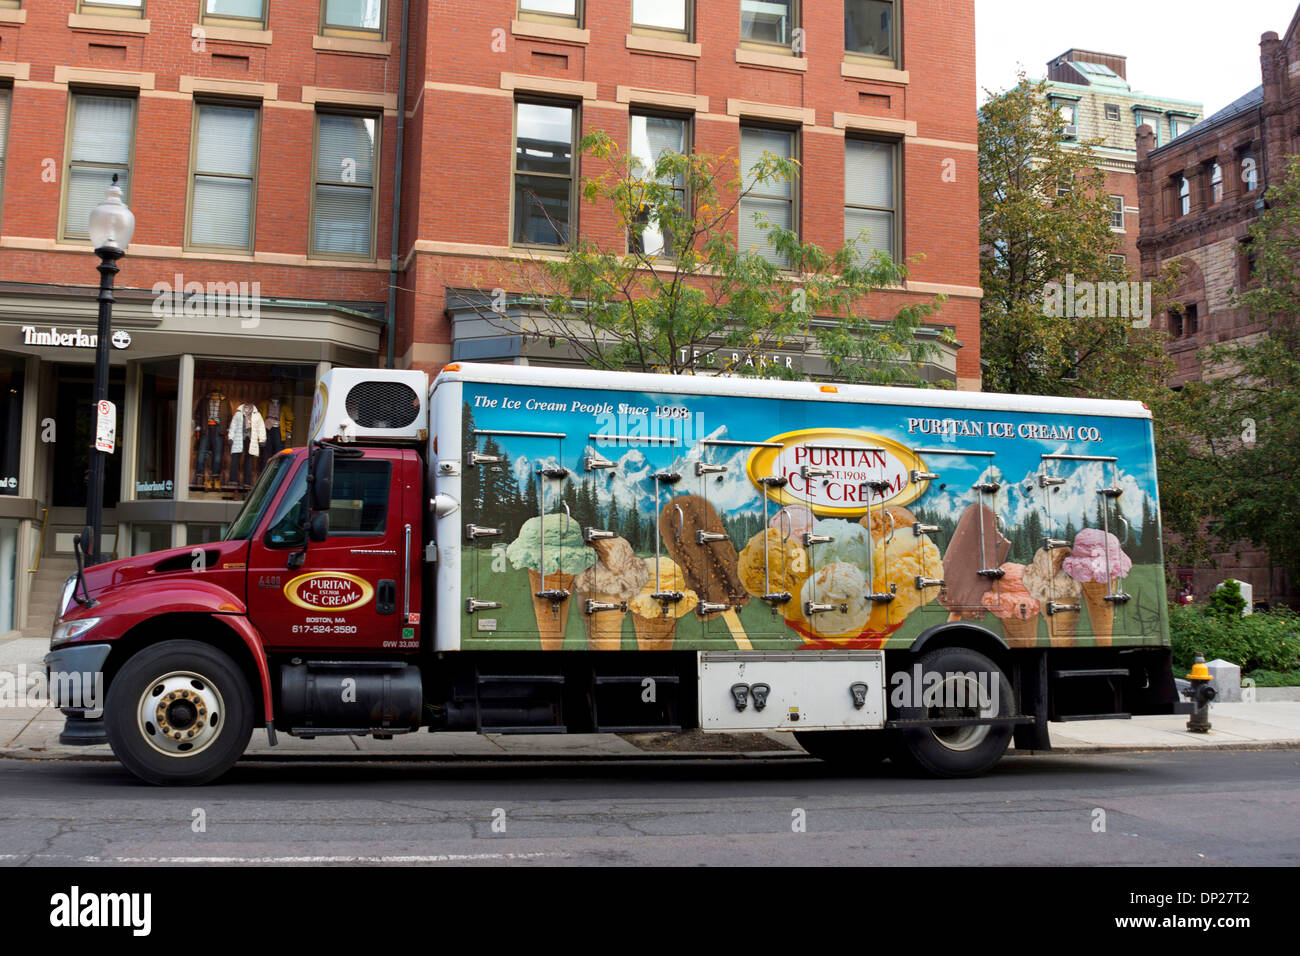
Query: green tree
{"points": [[704, 305], [1230, 448], [1045, 232]]}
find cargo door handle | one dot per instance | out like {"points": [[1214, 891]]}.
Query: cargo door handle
{"points": [[386, 597]]}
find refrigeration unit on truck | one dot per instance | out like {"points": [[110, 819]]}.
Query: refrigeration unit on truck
{"points": [[884, 572]]}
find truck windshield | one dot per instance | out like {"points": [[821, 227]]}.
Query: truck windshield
{"points": [[242, 527]]}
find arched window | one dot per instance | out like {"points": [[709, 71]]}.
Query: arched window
{"points": [[1184, 196]]}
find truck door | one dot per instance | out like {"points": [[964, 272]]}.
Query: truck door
{"points": [[352, 589], [519, 582]]}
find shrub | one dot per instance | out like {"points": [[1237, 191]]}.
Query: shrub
{"points": [[1263, 641], [1226, 600]]}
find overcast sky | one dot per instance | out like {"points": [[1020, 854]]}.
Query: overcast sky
{"points": [[1200, 50]]}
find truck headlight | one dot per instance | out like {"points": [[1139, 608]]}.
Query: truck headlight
{"points": [[69, 630], [68, 588]]}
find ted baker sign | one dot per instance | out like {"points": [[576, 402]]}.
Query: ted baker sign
{"points": [[832, 470], [329, 591]]}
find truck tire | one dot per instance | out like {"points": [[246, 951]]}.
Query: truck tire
{"points": [[958, 751], [179, 713], [851, 749]]}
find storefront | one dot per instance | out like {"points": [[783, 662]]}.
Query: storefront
{"points": [[206, 393]]}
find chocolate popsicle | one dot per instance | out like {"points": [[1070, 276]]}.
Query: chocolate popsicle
{"points": [[964, 587], [710, 567]]}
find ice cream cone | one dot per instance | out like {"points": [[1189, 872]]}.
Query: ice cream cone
{"points": [[605, 628], [1021, 632], [1061, 627], [654, 634], [1100, 611], [551, 616]]}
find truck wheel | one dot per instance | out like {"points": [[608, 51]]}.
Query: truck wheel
{"points": [[959, 751], [852, 749], [179, 713]]}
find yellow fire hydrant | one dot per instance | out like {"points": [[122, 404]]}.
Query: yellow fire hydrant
{"points": [[1200, 693]]}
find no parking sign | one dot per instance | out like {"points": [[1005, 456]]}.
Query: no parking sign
{"points": [[105, 427]]}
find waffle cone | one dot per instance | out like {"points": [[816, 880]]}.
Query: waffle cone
{"points": [[551, 620], [1100, 611], [605, 628], [654, 634], [1021, 632], [1061, 627]]}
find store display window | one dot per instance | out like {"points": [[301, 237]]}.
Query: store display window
{"points": [[11, 421], [244, 413], [155, 456]]}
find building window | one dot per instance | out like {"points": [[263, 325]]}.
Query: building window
{"points": [[8, 572], [100, 139], [236, 401], [1247, 262], [1112, 112], [1149, 119], [1119, 261], [652, 137], [1184, 195], [148, 538], [543, 174], [1216, 183], [238, 13], [1249, 170], [1190, 324], [360, 18], [1117, 213], [566, 11], [768, 21], [1178, 125], [870, 196], [155, 445], [767, 202], [1068, 112], [119, 8], [12, 377], [672, 17], [6, 97], [869, 29], [224, 183], [343, 206], [1064, 188]]}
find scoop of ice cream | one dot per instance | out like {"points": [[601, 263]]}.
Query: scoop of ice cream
{"points": [[877, 522], [565, 550], [1045, 581], [670, 578], [618, 573], [845, 586], [786, 564], [1087, 562], [899, 563], [1010, 598], [793, 520], [851, 544]]}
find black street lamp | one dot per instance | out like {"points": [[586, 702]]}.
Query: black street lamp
{"points": [[111, 225]]}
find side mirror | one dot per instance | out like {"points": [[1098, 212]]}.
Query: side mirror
{"points": [[322, 474], [319, 528]]}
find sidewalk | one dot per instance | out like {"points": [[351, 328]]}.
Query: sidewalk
{"points": [[1272, 722]]}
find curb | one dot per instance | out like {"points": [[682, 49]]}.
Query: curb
{"points": [[677, 757]]}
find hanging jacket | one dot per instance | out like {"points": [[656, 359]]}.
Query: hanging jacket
{"points": [[257, 431]]}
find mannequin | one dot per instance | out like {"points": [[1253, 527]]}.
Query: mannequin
{"points": [[211, 420], [247, 430], [277, 415]]}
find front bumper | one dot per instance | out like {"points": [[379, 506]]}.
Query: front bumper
{"points": [[74, 675]]}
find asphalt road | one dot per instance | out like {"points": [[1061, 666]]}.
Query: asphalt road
{"points": [[1171, 808]]}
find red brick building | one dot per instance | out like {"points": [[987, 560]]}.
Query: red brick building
{"points": [[1199, 196], [257, 144]]}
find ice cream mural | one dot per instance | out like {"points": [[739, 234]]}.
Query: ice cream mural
{"points": [[684, 522]]}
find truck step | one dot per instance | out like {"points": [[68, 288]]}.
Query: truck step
{"points": [[1092, 672]]}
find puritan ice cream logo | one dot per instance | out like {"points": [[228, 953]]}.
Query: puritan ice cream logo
{"points": [[329, 591], [836, 471]]}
